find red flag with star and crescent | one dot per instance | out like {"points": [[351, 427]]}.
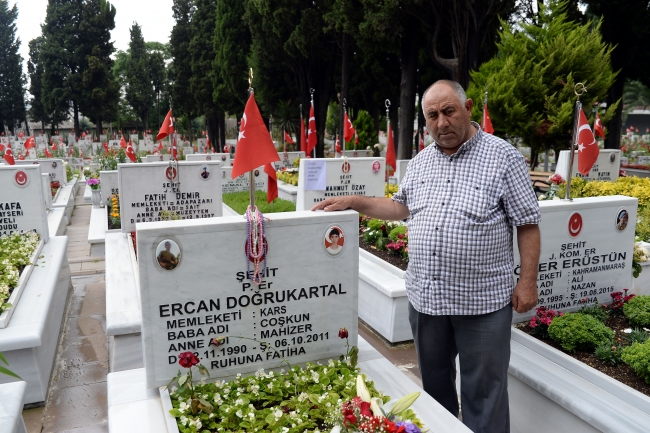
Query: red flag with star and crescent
{"points": [[254, 145], [47, 152], [54, 146], [30, 143], [303, 137], [421, 142], [599, 131], [167, 127], [174, 149], [390, 148], [130, 152], [487, 122], [9, 155], [105, 144], [337, 145], [587, 147], [123, 143], [312, 139], [21, 157], [287, 138], [348, 128]]}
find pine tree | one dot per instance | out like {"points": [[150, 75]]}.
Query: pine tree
{"points": [[139, 87], [531, 79], [12, 81], [37, 110], [180, 72]]}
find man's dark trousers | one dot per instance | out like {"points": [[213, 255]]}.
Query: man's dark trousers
{"points": [[483, 345]]}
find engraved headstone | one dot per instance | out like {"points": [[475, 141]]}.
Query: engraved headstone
{"points": [[643, 160], [53, 167], [191, 190], [287, 159], [223, 157], [321, 178], [359, 153], [402, 164], [242, 182], [22, 205], [607, 165], [291, 315], [109, 185], [156, 158]]}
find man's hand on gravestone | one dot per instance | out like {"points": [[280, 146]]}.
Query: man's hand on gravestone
{"points": [[524, 297], [334, 204]]}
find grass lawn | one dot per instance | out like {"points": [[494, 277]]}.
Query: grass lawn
{"points": [[239, 201]]}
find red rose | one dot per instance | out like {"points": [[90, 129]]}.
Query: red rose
{"points": [[187, 360], [365, 409], [343, 333], [350, 420]]}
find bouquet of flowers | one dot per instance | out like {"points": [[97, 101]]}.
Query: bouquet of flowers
{"points": [[93, 183], [364, 414]]}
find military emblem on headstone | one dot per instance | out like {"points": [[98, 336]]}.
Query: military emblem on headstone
{"points": [[575, 224], [21, 178], [171, 173], [208, 158], [345, 167]]}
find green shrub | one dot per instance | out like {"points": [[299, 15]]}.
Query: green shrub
{"points": [[637, 311], [636, 336], [399, 230], [239, 201], [371, 236], [375, 224], [609, 354], [595, 310], [637, 356], [579, 331]]}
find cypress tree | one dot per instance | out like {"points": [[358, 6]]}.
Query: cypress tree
{"points": [[12, 81]]}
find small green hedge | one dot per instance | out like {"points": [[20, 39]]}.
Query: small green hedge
{"points": [[579, 331], [239, 202], [637, 311], [637, 356]]}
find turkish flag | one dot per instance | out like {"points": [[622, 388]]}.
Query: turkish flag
{"points": [[390, 148], [599, 131], [487, 122], [21, 135], [30, 143], [9, 155], [337, 145], [287, 138], [105, 144], [254, 144], [421, 142], [2, 147], [167, 127], [130, 152], [47, 152], [83, 135], [356, 137], [312, 139], [272, 183], [21, 157], [54, 146], [71, 150], [348, 128], [303, 137], [160, 147], [587, 147], [123, 143], [174, 151]]}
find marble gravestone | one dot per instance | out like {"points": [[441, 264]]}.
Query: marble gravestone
{"points": [[192, 191], [287, 159], [586, 252], [643, 160], [241, 182], [109, 184], [188, 150], [402, 165], [223, 157], [624, 160], [156, 158], [359, 153], [22, 204], [202, 143], [321, 178], [607, 165], [53, 167], [114, 143], [291, 315]]}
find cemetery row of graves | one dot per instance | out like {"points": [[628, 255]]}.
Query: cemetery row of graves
{"points": [[222, 322]]}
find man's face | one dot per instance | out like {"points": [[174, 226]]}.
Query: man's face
{"points": [[168, 246], [448, 121]]}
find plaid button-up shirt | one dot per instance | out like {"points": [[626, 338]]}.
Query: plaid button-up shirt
{"points": [[462, 209]]}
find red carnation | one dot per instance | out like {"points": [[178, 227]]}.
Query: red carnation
{"points": [[343, 333], [187, 360]]}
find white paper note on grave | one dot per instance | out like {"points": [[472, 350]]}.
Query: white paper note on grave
{"points": [[293, 314], [22, 204], [191, 191], [354, 176], [587, 247], [315, 175]]}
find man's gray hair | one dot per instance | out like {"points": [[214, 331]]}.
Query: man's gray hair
{"points": [[457, 88]]}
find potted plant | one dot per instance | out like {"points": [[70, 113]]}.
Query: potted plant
{"points": [[94, 185]]}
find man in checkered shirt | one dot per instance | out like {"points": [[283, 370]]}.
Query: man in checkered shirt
{"points": [[461, 197]]}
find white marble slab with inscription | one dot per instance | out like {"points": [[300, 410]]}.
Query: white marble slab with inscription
{"points": [[340, 176], [109, 184], [287, 159], [51, 166], [192, 190], [607, 165], [22, 205], [185, 303], [359, 153], [587, 247], [156, 158], [223, 157], [242, 182], [402, 164]]}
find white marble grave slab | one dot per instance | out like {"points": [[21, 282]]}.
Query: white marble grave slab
{"points": [[643, 160], [402, 164], [192, 191], [53, 167], [188, 150], [47, 191], [359, 153], [156, 158], [354, 176], [22, 204], [109, 184], [223, 157], [287, 159], [586, 252], [607, 165], [11, 407], [298, 313], [242, 182]]}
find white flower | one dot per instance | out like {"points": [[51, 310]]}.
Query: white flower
{"points": [[251, 415], [184, 420], [270, 385], [285, 429], [239, 402], [315, 377], [278, 414], [239, 413], [183, 407], [303, 396], [196, 423]]}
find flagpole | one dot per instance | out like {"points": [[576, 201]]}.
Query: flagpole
{"points": [[302, 122], [251, 175], [311, 91], [579, 90], [387, 103]]}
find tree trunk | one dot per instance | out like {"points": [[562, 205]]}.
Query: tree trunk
{"points": [[407, 90], [222, 130], [77, 129], [615, 126], [212, 127], [98, 127], [345, 83]]}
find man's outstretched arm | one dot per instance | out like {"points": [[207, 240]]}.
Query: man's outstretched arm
{"points": [[381, 208]]}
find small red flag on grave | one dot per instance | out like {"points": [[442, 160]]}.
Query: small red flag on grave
{"points": [[21, 157], [599, 131], [130, 152], [487, 122], [312, 139], [174, 151], [105, 144], [254, 145], [2, 147], [208, 145], [160, 147], [272, 183], [303, 137], [337, 145], [287, 138], [9, 155], [587, 147], [421, 142], [167, 127], [30, 143], [348, 128], [123, 143], [54, 146], [390, 148], [47, 152], [21, 135], [71, 151]]}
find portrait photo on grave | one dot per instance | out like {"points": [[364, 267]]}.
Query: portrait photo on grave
{"points": [[204, 172], [334, 240], [168, 254], [622, 218]]}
